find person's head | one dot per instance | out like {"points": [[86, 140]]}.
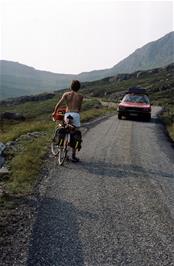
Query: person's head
{"points": [[75, 85]]}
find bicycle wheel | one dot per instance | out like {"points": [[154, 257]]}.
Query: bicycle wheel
{"points": [[62, 155], [54, 148], [54, 143]]}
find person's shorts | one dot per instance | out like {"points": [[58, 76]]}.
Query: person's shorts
{"points": [[76, 118]]}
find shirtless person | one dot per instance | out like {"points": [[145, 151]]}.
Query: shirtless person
{"points": [[73, 102]]}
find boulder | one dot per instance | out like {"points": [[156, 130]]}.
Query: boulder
{"points": [[2, 161], [10, 143], [24, 137], [12, 116], [2, 147], [2, 192], [4, 171]]}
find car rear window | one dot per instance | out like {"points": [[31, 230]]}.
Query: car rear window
{"points": [[136, 98]]}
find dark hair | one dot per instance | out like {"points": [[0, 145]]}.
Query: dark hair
{"points": [[75, 85]]}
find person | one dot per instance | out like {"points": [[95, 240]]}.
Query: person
{"points": [[73, 102]]}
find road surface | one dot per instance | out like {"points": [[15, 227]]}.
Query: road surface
{"points": [[115, 207]]}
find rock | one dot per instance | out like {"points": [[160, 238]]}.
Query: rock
{"points": [[4, 171], [2, 192], [24, 137], [10, 143], [12, 116], [2, 147], [139, 74], [10, 148], [31, 135], [36, 134], [2, 161]]}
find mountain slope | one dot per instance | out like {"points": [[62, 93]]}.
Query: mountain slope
{"points": [[155, 54]]}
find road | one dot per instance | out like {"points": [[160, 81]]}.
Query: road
{"points": [[115, 207]]}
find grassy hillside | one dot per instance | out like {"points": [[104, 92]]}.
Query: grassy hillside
{"points": [[154, 81]]}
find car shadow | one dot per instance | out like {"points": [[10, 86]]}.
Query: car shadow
{"points": [[154, 120], [55, 236]]}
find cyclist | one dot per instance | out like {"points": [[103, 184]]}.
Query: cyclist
{"points": [[73, 102]]}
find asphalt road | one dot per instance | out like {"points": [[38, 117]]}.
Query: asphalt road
{"points": [[115, 207]]}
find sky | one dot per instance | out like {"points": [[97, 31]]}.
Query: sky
{"points": [[74, 36]]}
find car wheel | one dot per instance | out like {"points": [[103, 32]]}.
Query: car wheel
{"points": [[148, 118]]}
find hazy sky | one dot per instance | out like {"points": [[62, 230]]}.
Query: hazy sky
{"points": [[76, 36]]}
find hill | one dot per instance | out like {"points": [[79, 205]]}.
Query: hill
{"points": [[159, 83], [154, 54], [18, 79]]}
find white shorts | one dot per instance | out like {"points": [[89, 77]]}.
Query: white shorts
{"points": [[76, 118]]}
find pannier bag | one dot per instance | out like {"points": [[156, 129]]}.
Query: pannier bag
{"points": [[59, 115], [60, 136], [76, 139]]}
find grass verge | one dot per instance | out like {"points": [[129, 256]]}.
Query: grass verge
{"points": [[94, 113], [13, 131], [26, 164], [168, 119]]}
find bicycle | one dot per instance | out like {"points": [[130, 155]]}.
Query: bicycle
{"points": [[60, 144]]}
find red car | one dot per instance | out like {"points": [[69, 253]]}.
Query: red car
{"points": [[135, 104]]}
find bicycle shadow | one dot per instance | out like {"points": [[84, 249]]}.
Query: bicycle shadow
{"points": [[55, 236]]}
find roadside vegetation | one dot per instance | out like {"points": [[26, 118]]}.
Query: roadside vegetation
{"points": [[168, 119], [166, 100]]}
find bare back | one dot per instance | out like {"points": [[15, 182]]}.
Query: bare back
{"points": [[73, 101]]}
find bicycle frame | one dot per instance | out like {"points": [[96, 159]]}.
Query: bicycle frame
{"points": [[61, 150]]}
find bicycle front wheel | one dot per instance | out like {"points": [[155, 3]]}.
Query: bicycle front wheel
{"points": [[54, 148], [62, 155]]}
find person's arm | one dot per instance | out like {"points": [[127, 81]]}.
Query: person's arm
{"points": [[59, 103]]}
